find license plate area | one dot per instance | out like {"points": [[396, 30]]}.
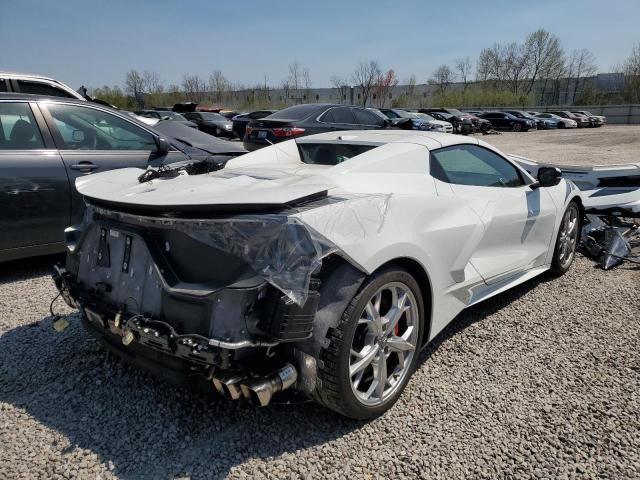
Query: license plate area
{"points": [[119, 261], [262, 133]]}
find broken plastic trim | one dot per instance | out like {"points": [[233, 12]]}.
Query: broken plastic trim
{"points": [[610, 240]]}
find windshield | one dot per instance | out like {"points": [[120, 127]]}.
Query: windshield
{"points": [[404, 114], [454, 111], [424, 116], [213, 117], [330, 153]]}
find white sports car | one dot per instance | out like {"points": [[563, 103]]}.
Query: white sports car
{"points": [[322, 264]]}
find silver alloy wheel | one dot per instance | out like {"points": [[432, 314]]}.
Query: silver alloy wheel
{"points": [[384, 343], [568, 236]]}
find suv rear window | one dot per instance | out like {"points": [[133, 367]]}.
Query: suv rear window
{"points": [[298, 112], [330, 153]]}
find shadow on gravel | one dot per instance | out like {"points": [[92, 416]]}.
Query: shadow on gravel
{"points": [[24, 269], [482, 310], [142, 428]]}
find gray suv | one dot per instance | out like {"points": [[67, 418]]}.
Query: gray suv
{"points": [[47, 143]]}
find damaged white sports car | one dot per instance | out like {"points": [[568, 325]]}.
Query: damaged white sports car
{"points": [[322, 264]]}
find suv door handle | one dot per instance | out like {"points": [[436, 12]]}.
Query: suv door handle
{"points": [[84, 166]]}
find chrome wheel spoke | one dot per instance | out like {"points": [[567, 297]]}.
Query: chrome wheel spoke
{"points": [[380, 372], [384, 343], [365, 360], [399, 344]]}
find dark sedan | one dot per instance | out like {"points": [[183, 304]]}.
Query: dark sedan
{"points": [[462, 122], [47, 143], [541, 124], [307, 119], [506, 121], [211, 123], [241, 121]]}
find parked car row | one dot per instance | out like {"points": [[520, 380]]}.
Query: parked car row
{"points": [[520, 120]]}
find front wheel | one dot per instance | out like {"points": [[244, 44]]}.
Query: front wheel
{"points": [[567, 241], [517, 127], [374, 348], [561, 125]]}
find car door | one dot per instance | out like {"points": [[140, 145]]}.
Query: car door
{"points": [[92, 140], [367, 120], [337, 118], [518, 220], [34, 187]]}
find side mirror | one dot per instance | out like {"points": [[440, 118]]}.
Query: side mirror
{"points": [[549, 176], [162, 146]]}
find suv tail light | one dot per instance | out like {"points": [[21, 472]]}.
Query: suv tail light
{"points": [[288, 131]]}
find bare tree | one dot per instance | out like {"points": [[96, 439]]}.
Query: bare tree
{"points": [[582, 63], [463, 69], [341, 84], [151, 82], [543, 50], [298, 80], [384, 84], [219, 86], [631, 70], [443, 77], [516, 65], [194, 87], [364, 77], [134, 86]]}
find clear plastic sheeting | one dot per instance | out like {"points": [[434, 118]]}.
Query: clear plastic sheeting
{"points": [[611, 240], [278, 247], [349, 219]]}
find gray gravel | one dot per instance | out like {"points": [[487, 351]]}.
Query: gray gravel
{"points": [[540, 382], [575, 146]]}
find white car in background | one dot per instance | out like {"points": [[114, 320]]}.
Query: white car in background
{"points": [[324, 263], [559, 122]]}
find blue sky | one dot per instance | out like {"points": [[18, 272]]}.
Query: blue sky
{"points": [[95, 42]]}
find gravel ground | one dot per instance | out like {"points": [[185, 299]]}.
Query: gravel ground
{"points": [[576, 146], [540, 382]]}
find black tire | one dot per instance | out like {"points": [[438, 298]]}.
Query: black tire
{"points": [[517, 127], [561, 125], [334, 388], [559, 265]]}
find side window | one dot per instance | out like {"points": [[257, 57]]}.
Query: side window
{"points": [[390, 113], [37, 88], [18, 128], [3, 85], [473, 165], [339, 115], [85, 128], [364, 117]]}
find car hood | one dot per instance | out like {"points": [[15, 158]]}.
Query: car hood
{"points": [[195, 138], [252, 188]]}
